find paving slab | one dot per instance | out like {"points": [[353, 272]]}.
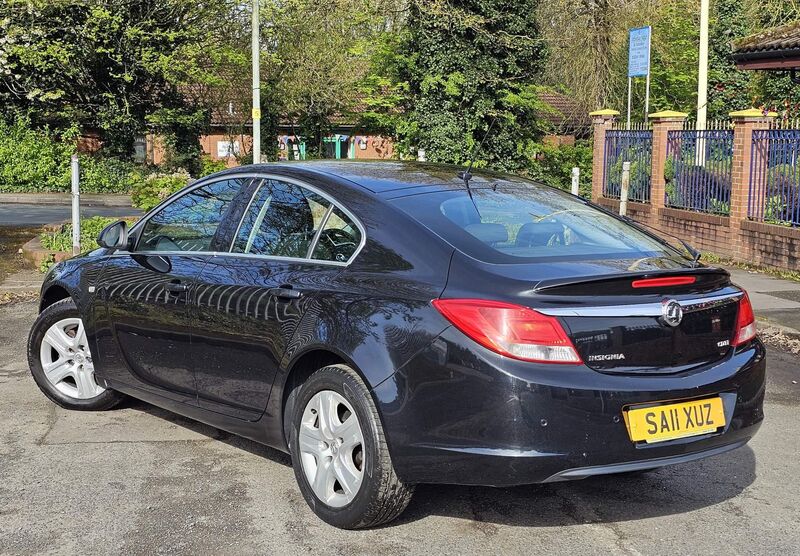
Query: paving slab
{"points": [[27, 279], [775, 300]]}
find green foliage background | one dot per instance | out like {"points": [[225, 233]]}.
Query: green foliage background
{"points": [[39, 161], [438, 75], [61, 239]]}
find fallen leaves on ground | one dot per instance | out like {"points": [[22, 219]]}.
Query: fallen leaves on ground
{"points": [[7, 298]]}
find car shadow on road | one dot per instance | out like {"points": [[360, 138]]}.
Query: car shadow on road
{"points": [[212, 433], [612, 498]]}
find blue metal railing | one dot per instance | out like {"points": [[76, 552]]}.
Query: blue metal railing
{"points": [[631, 146], [698, 170], [774, 177]]}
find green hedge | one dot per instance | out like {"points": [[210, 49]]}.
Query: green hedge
{"points": [[553, 165], [38, 161], [61, 239], [157, 187]]}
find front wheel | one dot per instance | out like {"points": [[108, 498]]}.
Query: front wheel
{"points": [[339, 452], [61, 362]]}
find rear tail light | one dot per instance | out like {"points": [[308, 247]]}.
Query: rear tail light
{"points": [[510, 330], [745, 322]]}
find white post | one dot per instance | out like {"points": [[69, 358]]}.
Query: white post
{"points": [[421, 155], [702, 70], [576, 176], [628, 124], [623, 192], [256, 49], [702, 85], [76, 204]]}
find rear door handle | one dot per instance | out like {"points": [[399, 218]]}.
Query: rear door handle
{"points": [[176, 287], [285, 293]]}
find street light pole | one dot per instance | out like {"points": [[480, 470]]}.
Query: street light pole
{"points": [[256, 86], [702, 73]]}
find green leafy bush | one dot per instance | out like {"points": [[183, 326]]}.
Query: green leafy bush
{"points": [[719, 207], [157, 187], [32, 161], [553, 165], [38, 161], [209, 166], [109, 175], [61, 239]]}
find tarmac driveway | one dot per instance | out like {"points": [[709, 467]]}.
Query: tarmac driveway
{"points": [[12, 214], [138, 480]]}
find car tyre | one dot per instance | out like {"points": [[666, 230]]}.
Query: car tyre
{"points": [[380, 495], [57, 340]]}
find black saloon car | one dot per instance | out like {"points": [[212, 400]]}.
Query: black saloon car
{"points": [[390, 324]]}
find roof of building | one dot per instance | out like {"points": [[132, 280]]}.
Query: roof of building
{"points": [[775, 48], [567, 115], [777, 38], [564, 114]]}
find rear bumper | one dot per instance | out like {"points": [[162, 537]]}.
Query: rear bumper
{"points": [[458, 413], [654, 463]]}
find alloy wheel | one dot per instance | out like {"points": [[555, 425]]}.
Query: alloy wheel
{"points": [[331, 447], [66, 360]]}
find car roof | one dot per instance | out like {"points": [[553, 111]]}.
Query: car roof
{"points": [[387, 178]]}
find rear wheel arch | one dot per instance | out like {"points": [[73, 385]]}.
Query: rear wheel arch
{"points": [[303, 367]]}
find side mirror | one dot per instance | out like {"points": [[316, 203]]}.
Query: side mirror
{"points": [[114, 236]]}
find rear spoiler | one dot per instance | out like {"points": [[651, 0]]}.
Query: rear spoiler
{"points": [[706, 279]]}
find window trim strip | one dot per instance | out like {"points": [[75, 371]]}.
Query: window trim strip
{"points": [[322, 225], [246, 210]]}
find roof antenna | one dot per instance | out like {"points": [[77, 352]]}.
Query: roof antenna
{"points": [[693, 252], [466, 175]]}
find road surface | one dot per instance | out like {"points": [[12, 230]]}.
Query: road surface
{"points": [[139, 480], [12, 214]]}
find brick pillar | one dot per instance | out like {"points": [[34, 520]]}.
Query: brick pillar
{"points": [[663, 122], [744, 123], [602, 121]]}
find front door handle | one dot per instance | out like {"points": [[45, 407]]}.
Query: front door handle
{"points": [[285, 293], [176, 287]]}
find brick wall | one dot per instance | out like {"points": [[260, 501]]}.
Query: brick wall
{"points": [[706, 232], [771, 245], [638, 211]]}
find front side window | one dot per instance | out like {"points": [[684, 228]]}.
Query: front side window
{"points": [[281, 221], [189, 222]]}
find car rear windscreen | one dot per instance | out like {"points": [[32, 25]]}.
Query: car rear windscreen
{"points": [[528, 223]]}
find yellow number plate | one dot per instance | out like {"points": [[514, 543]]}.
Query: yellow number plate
{"points": [[668, 422]]}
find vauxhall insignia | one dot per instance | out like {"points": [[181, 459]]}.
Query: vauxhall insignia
{"points": [[671, 312]]}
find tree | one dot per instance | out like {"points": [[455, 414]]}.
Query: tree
{"points": [[675, 56], [458, 72], [587, 42], [119, 66], [316, 55]]}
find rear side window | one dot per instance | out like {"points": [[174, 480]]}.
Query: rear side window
{"points": [[190, 222], [339, 239], [516, 224], [281, 221]]}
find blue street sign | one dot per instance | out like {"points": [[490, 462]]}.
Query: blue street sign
{"points": [[639, 52]]}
